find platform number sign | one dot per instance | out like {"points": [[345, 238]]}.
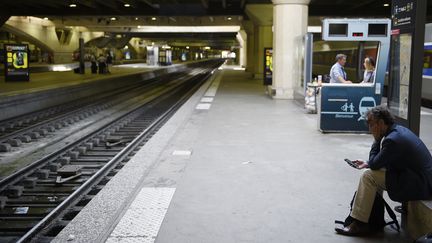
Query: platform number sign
{"points": [[16, 62]]}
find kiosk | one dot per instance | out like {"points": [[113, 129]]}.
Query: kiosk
{"points": [[342, 107]]}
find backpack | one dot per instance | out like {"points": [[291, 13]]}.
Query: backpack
{"points": [[376, 219]]}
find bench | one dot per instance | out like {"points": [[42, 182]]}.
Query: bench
{"points": [[419, 218]]}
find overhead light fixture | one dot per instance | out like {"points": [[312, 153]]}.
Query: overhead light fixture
{"points": [[153, 18], [113, 18], [139, 26], [187, 47], [46, 18], [126, 5], [72, 5], [386, 4], [229, 18], [136, 18]]}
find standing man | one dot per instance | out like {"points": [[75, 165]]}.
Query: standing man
{"points": [[337, 72], [399, 162]]}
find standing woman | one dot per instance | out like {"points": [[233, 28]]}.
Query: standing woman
{"points": [[369, 73]]}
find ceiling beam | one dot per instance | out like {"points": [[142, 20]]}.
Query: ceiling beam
{"points": [[89, 4], [149, 3], [108, 3], [362, 4], [242, 4], [205, 3]]}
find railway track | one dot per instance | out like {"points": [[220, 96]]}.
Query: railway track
{"points": [[40, 199], [30, 127]]}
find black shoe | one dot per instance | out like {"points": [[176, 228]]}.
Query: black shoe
{"points": [[356, 228]]}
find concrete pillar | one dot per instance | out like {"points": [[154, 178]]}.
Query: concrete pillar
{"points": [[290, 24], [263, 39], [242, 39], [250, 54]]}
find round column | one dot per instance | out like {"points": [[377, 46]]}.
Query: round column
{"points": [[290, 24]]}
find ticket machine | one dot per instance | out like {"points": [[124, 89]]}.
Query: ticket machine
{"points": [[342, 107]]}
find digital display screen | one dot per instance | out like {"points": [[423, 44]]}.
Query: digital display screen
{"points": [[377, 30], [338, 29], [357, 34]]}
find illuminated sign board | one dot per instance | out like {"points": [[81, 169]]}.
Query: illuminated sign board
{"points": [[16, 62], [356, 29], [268, 66]]}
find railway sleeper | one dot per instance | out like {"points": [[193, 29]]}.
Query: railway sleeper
{"points": [[36, 200], [5, 147], [95, 141], [82, 149], [48, 189], [34, 135], [58, 125], [55, 229], [89, 145], [70, 214], [64, 160], [14, 142], [30, 182], [13, 191], [53, 167], [16, 227], [97, 153], [42, 173], [3, 201], [25, 212], [25, 138], [42, 132], [93, 159], [73, 154], [50, 128], [95, 190]]}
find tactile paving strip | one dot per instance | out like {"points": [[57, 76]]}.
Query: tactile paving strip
{"points": [[144, 217]]}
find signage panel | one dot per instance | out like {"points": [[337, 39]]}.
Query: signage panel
{"points": [[16, 62], [405, 79]]}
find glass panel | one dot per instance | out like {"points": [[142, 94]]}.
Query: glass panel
{"points": [[400, 74]]}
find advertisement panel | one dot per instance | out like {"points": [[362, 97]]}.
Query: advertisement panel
{"points": [[406, 69], [268, 66], [16, 62]]}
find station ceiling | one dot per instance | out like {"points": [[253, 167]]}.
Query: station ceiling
{"points": [[182, 7], [130, 15]]}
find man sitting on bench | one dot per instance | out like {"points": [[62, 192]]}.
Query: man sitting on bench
{"points": [[399, 162]]}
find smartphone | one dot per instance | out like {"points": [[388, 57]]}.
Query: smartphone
{"points": [[351, 163]]}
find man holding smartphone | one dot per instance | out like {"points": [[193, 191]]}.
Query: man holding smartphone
{"points": [[399, 162]]}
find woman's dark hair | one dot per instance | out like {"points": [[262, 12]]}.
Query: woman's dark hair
{"points": [[371, 61], [381, 112]]}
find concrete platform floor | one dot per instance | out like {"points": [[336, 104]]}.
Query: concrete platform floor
{"points": [[258, 171]]}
